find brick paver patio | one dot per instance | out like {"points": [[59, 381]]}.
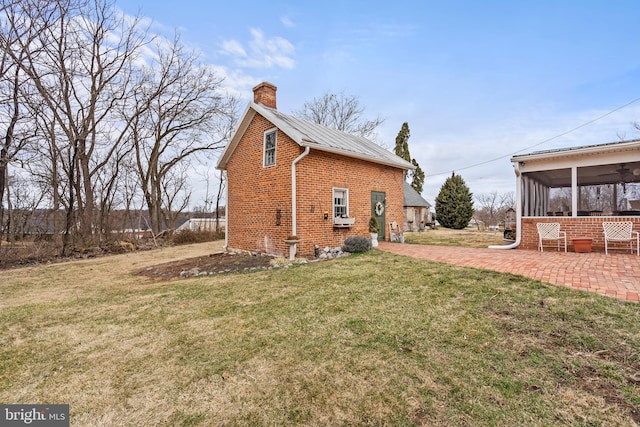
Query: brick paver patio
{"points": [[616, 275]]}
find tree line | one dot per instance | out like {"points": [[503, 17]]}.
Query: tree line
{"points": [[97, 113]]}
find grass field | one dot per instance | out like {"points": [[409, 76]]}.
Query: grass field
{"points": [[371, 339], [448, 237]]}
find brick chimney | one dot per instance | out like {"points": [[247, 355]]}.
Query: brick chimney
{"points": [[265, 94]]}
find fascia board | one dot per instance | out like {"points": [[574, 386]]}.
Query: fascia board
{"points": [[235, 139]]}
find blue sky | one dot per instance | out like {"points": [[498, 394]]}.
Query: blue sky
{"points": [[475, 80]]}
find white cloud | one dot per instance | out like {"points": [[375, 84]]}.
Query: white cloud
{"points": [[236, 83], [234, 48], [262, 52], [287, 22]]}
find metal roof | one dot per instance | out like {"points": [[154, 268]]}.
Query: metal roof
{"points": [[318, 137], [413, 198], [598, 164], [583, 149]]}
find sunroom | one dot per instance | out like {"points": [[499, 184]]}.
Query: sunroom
{"points": [[580, 188]]}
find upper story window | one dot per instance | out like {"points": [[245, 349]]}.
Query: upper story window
{"points": [[340, 202], [269, 158]]}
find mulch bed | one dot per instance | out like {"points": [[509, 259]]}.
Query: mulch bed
{"points": [[217, 263]]}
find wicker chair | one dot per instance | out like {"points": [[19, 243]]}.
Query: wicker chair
{"points": [[620, 232], [550, 231]]}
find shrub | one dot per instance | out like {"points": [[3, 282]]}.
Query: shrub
{"points": [[373, 225], [187, 236], [356, 244]]}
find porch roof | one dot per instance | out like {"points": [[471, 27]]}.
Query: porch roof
{"points": [[598, 164], [594, 149]]}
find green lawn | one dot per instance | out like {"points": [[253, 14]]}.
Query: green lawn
{"points": [[448, 237], [372, 339]]}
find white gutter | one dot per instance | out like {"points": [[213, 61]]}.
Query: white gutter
{"points": [[516, 167], [294, 215], [226, 213]]}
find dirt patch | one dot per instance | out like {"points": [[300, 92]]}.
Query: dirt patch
{"points": [[216, 263]]}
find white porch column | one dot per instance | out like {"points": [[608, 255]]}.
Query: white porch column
{"points": [[525, 193], [574, 191]]}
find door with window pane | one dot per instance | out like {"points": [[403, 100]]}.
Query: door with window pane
{"points": [[378, 210]]}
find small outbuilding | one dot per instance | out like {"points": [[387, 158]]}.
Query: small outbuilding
{"points": [[417, 211], [294, 182]]}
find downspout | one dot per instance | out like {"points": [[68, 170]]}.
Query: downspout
{"points": [[294, 226], [226, 213], [515, 244]]}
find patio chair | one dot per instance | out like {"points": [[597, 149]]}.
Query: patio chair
{"points": [[620, 232], [550, 231], [395, 233]]}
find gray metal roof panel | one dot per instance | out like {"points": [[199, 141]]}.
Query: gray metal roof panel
{"points": [[413, 198], [324, 138]]}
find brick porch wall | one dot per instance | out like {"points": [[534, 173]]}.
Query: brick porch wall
{"points": [[256, 194], [583, 226]]}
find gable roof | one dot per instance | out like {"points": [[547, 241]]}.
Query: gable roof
{"points": [[315, 136], [413, 198]]}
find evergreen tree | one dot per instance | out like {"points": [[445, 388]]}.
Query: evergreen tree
{"points": [[402, 150], [417, 180], [454, 204], [402, 143]]}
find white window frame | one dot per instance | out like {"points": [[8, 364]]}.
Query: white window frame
{"points": [[333, 201], [265, 157]]}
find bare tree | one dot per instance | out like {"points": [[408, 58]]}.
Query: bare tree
{"points": [[491, 207], [175, 194], [205, 210], [180, 112], [340, 112], [23, 201], [111, 188], [129, 191], [14, 116], [79, 57], [221, 187], [76, 75]]}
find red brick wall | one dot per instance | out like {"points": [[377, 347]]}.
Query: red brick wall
{"points": [[583, 226], [319, 173], [256, 193]]}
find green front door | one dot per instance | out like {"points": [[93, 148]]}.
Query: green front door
{"points": [[378, 209]]}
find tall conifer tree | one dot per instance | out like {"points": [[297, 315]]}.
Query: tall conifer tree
{"points": [[402, 150]]}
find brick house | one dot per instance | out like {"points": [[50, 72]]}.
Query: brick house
{"points": [[287, 176]]}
